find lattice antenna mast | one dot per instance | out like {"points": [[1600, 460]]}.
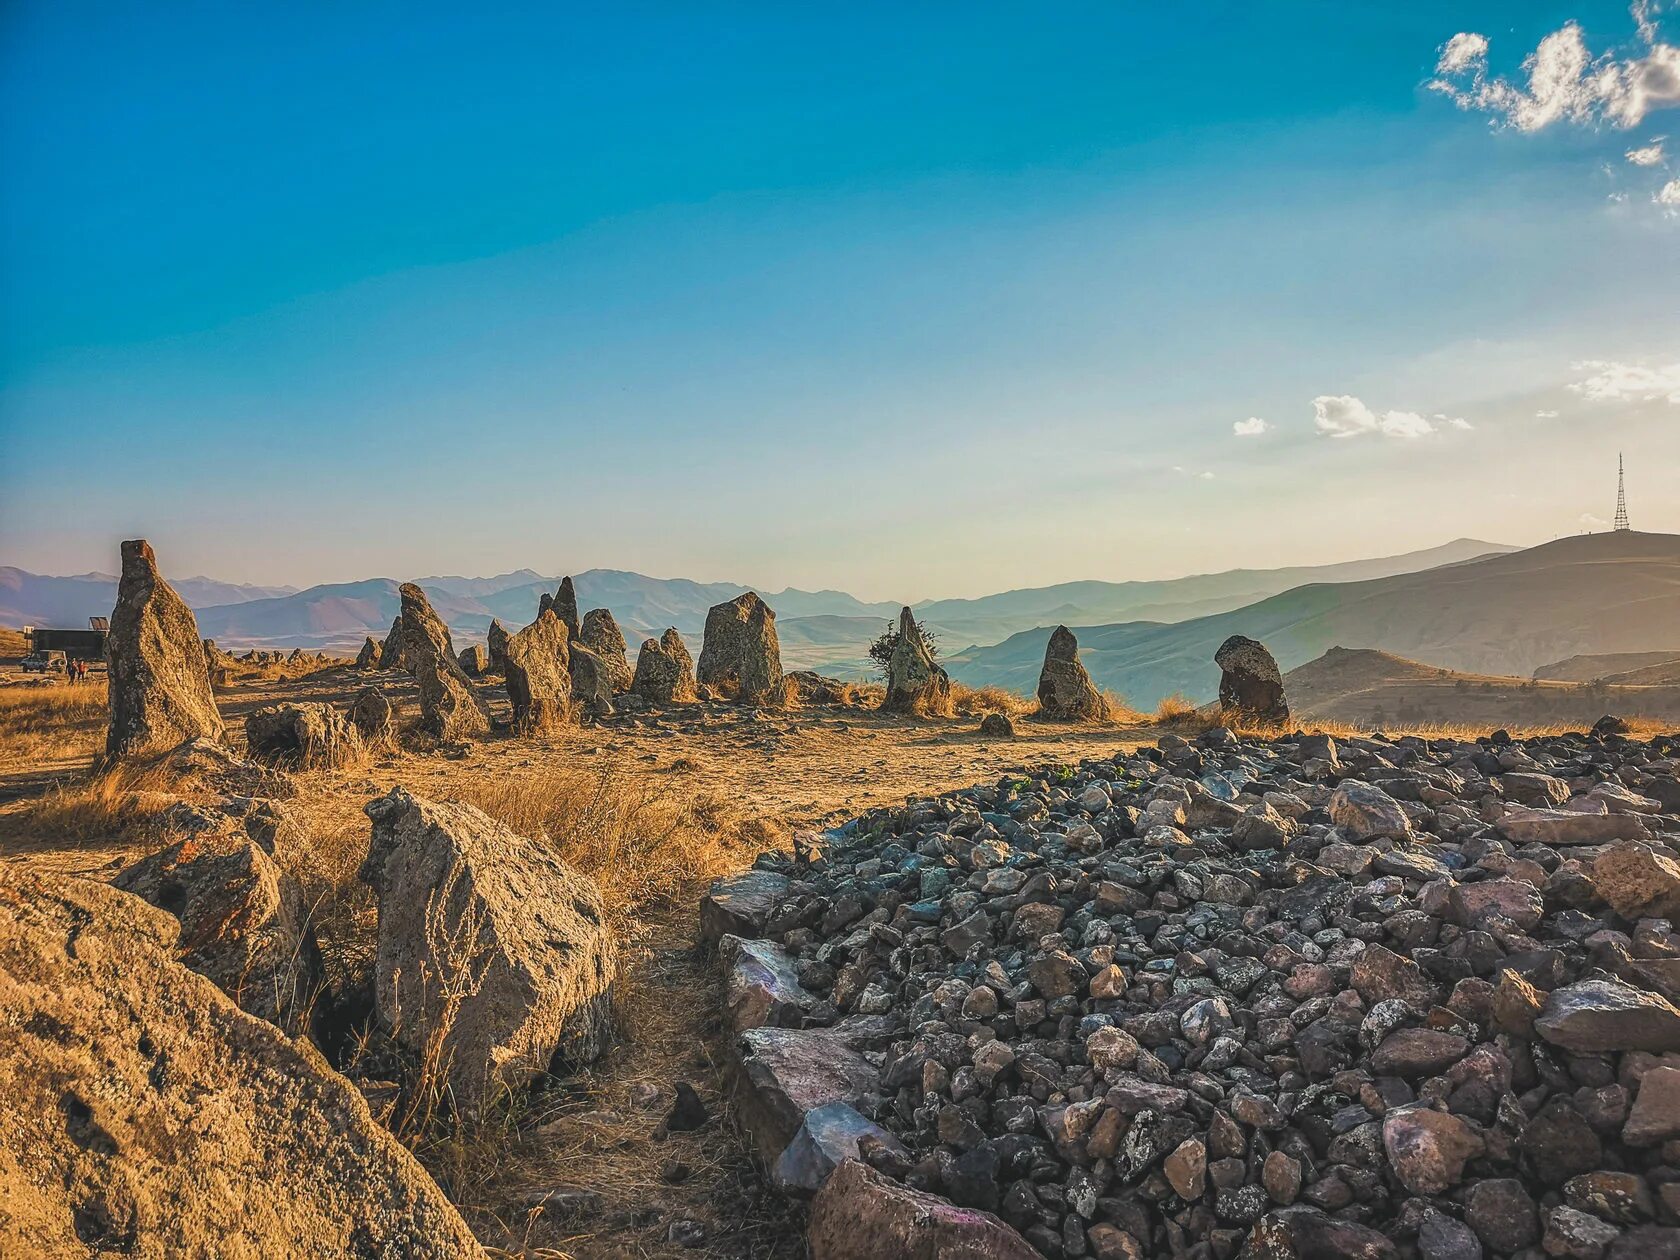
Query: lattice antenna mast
{"points": [[1621, 497]]}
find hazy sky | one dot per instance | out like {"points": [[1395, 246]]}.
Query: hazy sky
{"points": [[911, 300]]}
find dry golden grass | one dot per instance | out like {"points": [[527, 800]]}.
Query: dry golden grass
{"points": [[979, 701], [37, 718], [103, 804], [648, 843], [1116, 710], [1174, 708]]}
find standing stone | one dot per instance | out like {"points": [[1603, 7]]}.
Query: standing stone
{"points": [[302, 736], [1065, 691], [601, 635], [131, 1087], [488, 942], [536, 663], [915, 681], [368, 657], [474, 661], [741, 656], [663, 676], [591, 683], [566, 608], [390, 652], [160, 686], [1250, 686], [496, 644], [449, 707]]}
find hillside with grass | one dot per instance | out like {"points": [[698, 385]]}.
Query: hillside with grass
{"points": [[1506, 615]]}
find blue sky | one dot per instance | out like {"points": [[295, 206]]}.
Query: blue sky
{"points": [[914, 303]]}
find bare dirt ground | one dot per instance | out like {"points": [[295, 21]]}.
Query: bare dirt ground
{"points": [[586, 1169]]}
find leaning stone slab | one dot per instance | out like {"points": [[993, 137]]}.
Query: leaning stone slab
{"points": [[759, 985], [861, 1214], [474, 916], [1595, 1016], [783, 1073], [1559, 826], [739, 905], [142, 1113]]}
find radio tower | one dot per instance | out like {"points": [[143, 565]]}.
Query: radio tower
{"points": [[1621, 497]]}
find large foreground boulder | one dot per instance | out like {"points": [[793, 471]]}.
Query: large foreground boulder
{"points": [[861, 1214], [1250, 686], [449, 707], [741, 656], [915, 681], [601, 635], [244, 924], [302, 736], [1065, 691], [536, 664], [143, 1114], [664, 671], [160, 684], [490, 948]]}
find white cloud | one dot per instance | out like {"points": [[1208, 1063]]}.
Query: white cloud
{"points": [[1589, 521], [1650, 155], [1254, 426], [1545, 415], [1566, 83], [1459, 422], [1628, 382], [1206, 476], [1668, 194], [1461, 52], [1344, 416]]}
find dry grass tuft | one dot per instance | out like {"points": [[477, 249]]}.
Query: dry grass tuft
{"points": [[979, 701], [646, 843], [104, 803], [1175, 708], [1116, 710]]}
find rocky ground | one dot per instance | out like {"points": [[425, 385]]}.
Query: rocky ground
{"points": [[1307, 997]]}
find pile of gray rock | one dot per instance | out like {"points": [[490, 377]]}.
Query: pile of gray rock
{"points": [[1300, 997]]}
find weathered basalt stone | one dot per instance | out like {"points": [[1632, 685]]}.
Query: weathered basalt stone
{"points": [[537, 665], [1065, 691], [601, 635], [487, 941], [160, 693], [449, 707], [1250, 686], [302, 736], [740, 656], [368, 657], [664, 673], [859, 1214], [915, 681]]}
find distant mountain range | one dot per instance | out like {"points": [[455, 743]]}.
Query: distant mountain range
{"points": [[1504, 614], [828, 630]]}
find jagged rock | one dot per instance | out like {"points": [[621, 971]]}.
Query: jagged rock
{"points": [[1302, 1233], [1250, 686], [1594, 1016], [740, 656], [828, 1137], [859, 1214], [302, 736], [915, 681], [368, 657], [495, 643], [390, 651], [449, 707], [1366, 812], [809, 687], [1638, 882], [468, 907], [244, 924], [601, 635], [664, 672], [537, 665], [132, 1089], [1655, 1115], [591, 682], [783, 1073], [160, 692], [997, 726], [1561, 826], [375, 718], [566, 608], [740, 905], [759, 986], [1428, 1149], [1065, 690], [474, 661]]}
